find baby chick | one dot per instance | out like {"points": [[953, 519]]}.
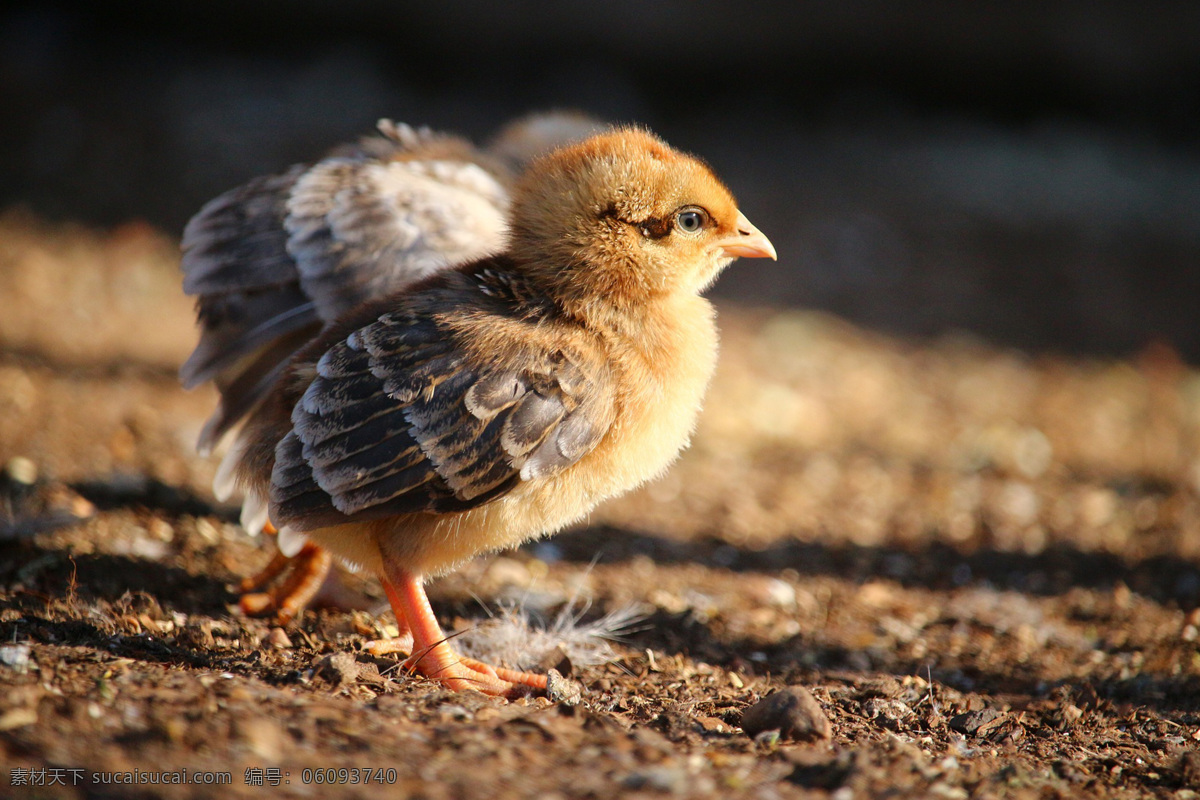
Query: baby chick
{"points": [[274, 261], [501, 400]]}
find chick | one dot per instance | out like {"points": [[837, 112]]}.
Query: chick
{"points": [[274, 261], [503, 399]]}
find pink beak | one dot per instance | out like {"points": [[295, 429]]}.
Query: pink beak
{"points": [[748, 242]]}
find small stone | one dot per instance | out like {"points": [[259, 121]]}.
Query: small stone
{"points": [[15, 656], [562, 690], [978, 723], [278, 639], [877, 594], [770, 592], [18, 718], [793, 711], [887, 712], [338, 668], [1069, 715], [20, 469]]}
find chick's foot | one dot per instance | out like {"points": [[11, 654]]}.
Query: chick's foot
{"points": [[432, 655], [304, 576]]}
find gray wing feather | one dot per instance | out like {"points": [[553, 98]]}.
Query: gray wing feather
{"points": [[385, 428], [237, 241], [359, 230], [236, 325]]}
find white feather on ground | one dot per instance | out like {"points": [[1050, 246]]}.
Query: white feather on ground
{"points": [[515, 638]]}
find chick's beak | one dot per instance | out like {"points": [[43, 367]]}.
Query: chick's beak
{"points": [[747, 242]]}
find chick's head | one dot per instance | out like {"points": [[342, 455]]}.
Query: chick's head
{"points": [[625, 217]]}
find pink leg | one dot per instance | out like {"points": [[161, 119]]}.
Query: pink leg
{"points": [[432, 655]]}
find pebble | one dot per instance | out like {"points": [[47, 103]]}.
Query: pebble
{"points": [[978, 723], [770, 592], [793, 711], [886, 711], [15, 656], [278, 639], [338, 668], [563, 690], [1070, 715], [21, 470], [18, 718]]}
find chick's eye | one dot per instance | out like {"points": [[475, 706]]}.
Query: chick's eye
{"points": [[690, 220]]}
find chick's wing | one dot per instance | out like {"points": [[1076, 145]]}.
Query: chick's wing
{"points": [[401, 417], [274, 260]]}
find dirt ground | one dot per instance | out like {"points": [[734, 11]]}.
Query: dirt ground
{"points": [[983, 565]]}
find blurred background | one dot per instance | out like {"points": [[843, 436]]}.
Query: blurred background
{"points": [[1027, 171]]}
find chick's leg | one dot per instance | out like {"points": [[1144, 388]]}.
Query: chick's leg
{"points": [[263, 578], [432, 655], [307, 572]]}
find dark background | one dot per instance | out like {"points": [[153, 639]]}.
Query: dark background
{"points": [[1028, 171]]}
